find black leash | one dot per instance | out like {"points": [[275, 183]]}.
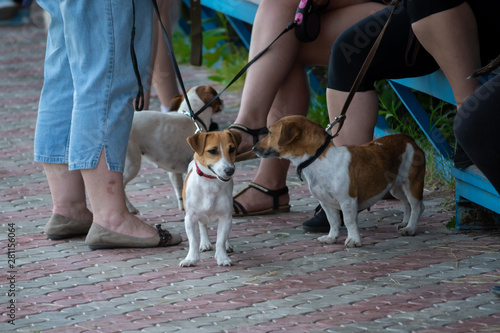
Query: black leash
{"points": [[341, 118], [176, 67], [139, 99], [194, 116], [289, 27]]}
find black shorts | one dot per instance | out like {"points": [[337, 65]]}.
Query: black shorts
{"points": [[393, 59]]}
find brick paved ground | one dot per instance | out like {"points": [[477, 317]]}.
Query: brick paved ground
{"points": [[282, 278]]}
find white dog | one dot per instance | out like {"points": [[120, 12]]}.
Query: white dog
{"points": [[208, 194], [350, 178], [161, 138]]}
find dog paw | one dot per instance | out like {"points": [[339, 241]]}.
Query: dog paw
{"points": [[352, 242], [327, 240], [206, 247], [224, 261], [406, 231], [188, 263]]}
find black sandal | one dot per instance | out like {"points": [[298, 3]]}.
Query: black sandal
{"points": [[248, 155], [238, 209]]}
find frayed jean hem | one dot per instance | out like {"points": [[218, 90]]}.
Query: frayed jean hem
{"points": [[52, 160]]}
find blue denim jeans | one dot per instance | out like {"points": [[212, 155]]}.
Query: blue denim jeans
{"points": [[89, 82]]}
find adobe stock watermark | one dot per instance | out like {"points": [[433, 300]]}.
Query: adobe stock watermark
{"points": [[365, 36], [11, 274]]}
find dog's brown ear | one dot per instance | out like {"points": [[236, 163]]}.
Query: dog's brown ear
{"points": [[206, 94], [175, 103], [197, 142], [289, 132], [235, 135]]}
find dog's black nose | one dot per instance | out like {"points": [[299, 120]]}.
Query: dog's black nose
{"points": [[229, 171]]}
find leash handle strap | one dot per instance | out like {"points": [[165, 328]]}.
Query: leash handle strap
{"points": [[340, 119], [139, 99], [176, 66]]}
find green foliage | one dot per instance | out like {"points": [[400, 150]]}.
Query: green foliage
{"points": [[452, 223], [398, 118], [318, 111], [222, 53], [182, 46]]}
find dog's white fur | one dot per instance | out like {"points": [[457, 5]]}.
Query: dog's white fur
{"points": [[161, 138], [208, 200], [351, 178]]}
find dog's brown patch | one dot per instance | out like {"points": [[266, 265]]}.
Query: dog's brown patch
{"points": [[176, 102], [209, 147], [206, 94], [184, 190], [375, 165], [295, 136]]}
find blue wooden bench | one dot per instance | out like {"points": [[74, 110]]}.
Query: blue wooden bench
{"points": [[470, 185], [472, 190]]}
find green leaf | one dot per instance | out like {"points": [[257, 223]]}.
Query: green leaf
{"points": [[211, 41]]}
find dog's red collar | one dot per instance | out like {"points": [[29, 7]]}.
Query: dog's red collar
{"points": [[200, 173]]}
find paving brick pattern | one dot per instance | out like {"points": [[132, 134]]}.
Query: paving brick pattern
{"points": [[282, 278]]}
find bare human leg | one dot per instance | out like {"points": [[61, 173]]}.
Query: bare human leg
{"points": [[107, 198], [68, 192], [451, 38], [290, 95], [163, 75], [361, 116]]}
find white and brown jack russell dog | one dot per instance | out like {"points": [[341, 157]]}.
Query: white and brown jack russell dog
{"points": [[350, 178], [208, 194], [161, 137]]}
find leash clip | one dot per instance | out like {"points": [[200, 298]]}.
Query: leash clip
{"points": [[335, 121], [198, 128]]}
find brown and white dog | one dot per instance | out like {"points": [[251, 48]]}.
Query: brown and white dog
{"points": [[351, 178], [161, 138], [208, 194]]}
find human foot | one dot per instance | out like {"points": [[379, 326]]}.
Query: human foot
{"points": [[126, 224], [74, 211], [102, 238], [62, 227], [254, 200]]}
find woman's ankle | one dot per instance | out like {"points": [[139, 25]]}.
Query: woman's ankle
{"points": [[253, 199], [77, 212]]}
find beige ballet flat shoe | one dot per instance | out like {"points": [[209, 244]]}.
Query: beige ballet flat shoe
{"points": [[62, 227], [102, 238]]}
